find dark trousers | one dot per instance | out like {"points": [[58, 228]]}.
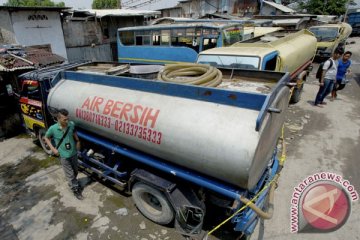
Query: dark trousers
{"points": [[324, 91], [70, 167], [339, 86]]}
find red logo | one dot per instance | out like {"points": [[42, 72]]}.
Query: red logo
{"points": [[325, 207]]}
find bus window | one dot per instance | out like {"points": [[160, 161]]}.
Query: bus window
{"points": [[178, 32], [127, 38], [146, 40], [190, 32], [165, 37], [138, 38], [181, 41], [206, 31], [156, 38], [209, 43], [198, 32], [142, 38]]}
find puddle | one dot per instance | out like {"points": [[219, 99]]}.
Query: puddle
{"points": [[15, 174]]}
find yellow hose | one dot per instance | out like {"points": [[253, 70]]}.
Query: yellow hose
{"points": [[191, 73]]}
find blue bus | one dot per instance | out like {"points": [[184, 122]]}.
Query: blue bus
{"points": [[174, 43]]}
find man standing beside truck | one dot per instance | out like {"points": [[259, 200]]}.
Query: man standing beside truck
{"points": [[343, 71], [67, 143], [328, 77]]}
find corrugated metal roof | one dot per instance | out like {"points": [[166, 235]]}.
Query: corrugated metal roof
{"points": [[29, 58], [280, 7], [43, 58], [150, 4], [117, 12]]}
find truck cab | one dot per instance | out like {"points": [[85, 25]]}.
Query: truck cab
{"points": [[280, 51], [35, 87], [354, 21], [33, 107], [329, 37]]}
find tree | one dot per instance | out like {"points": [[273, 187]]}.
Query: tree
{"points": [[33, 3], [105, 4], [325, 7]]}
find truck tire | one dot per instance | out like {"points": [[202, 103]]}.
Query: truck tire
{"points": [[296, 95], [152, 203], [40, 136]]}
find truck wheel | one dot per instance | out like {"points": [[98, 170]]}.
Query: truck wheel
{"points": [[152, 203], [41, 135], [296, 95]]}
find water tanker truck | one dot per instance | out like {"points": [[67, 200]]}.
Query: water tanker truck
{"points": [[281, 51], [329, 37], [177, 148]]}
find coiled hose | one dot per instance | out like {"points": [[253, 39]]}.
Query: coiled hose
{"points": [[191, 73]]}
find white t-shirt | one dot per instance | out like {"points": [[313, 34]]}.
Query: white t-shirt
{"points": [[331, 73]]}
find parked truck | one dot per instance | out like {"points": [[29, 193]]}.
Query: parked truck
{"points": [[354, 21], [329, 37], [280, 51], [178, 149]]}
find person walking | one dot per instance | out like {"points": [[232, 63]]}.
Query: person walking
{"points": [[342, 72], [328, 77], [67, 143]]}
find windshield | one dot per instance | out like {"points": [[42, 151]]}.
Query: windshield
{"points": [[226, 61], [325, 33]]}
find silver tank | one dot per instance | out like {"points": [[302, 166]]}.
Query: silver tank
{"points": [[214, 139]]}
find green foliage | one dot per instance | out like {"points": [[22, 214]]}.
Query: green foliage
{"points": [[33, 3], [105, 4], [325, 7]]}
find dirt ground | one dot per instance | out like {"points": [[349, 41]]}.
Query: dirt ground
{"points": [[35, 202]]}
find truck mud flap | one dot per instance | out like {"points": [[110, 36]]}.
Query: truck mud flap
{"points": [[189, 210]]}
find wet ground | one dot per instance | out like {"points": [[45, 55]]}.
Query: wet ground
{"points": [[35, 202]]}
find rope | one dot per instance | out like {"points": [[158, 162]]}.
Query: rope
{"points": [[243, 207]]}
